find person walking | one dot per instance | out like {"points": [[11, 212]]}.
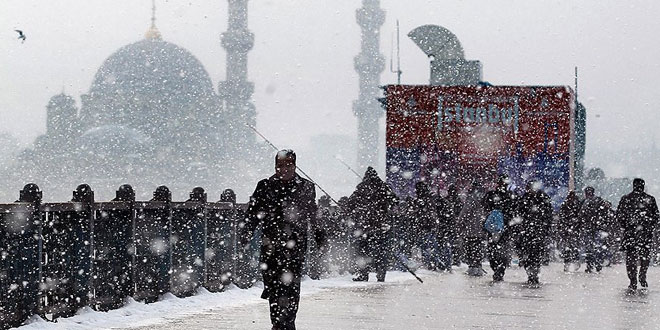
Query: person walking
{"points": [[371, 204], [471, 220], [593, 219], [569, 231], [638, 216], [284, 205], [426, 213], [499, 252], [535, 211]]}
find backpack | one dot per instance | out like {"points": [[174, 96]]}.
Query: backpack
{"points": [[494, 223]]}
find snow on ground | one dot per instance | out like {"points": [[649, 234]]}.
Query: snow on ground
{"points": [[139, 314]]}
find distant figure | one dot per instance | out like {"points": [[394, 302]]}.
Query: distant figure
{"points": [[426, 213], [535, 210], [569, 231], [593, 221], [284, 205], [454, 205], [371, 204], [638, 216], [472, 218], [499, 246], [21, 35]]}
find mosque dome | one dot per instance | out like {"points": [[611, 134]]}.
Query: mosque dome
{"points": [[153, 86]]}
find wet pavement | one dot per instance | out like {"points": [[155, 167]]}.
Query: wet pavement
{"points": [[456, 301]]}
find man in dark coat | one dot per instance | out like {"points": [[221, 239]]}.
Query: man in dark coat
{"points": [[569, 229], [498, 249], [535, 211], [638, 216], [370, 204], [284, 205], [593, 220], [457, 238], [426, 213]]}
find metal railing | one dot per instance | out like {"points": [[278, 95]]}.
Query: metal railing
{"points": [[58, 257]]}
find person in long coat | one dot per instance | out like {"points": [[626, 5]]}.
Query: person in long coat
{"points": [[499, 246], [569, 229], [284, 205], [638, 216], [471, 220], [535, 211], [370, 205], [593, 220]]}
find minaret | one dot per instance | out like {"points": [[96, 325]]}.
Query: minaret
{"points": [[369, 64], [236, 91], [153, 33]]}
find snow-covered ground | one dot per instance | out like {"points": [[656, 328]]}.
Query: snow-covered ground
{"points": [[136, 314], [444, 301]]}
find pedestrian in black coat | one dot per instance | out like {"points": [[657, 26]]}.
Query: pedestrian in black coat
{"points": [[370, 205], [535, 211], [426, 213], [593, 222], [638, 216], [498, 249], [569, 229], [457, 238], [284, 205]]}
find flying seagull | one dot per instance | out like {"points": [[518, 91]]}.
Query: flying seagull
{"points": [[21, 35]]}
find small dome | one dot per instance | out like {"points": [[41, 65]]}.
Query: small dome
{"points": [[114, 140], [61, 101]]}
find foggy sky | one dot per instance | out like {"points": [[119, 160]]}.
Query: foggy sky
{"points": [[302, 61]]}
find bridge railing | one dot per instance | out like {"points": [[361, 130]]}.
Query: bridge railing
{"points": [[58, 257]]}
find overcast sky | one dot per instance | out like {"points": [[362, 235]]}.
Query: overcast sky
{"points": [[302, 62]]}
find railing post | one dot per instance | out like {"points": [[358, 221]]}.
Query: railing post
{"points": [[20, 247], [220, 248], [113, 250], [83, 243], [189, 243], [153, 253]]}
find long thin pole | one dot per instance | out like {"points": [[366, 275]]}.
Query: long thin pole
{"points": [[347, 166], [297, 167], [398, 55]]}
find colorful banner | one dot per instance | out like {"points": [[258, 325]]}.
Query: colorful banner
{"points": [[461, 134]]}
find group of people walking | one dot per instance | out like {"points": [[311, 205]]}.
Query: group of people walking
{"points": [[376, 231]]}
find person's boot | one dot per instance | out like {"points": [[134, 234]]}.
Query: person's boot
{"points": [[533, 280], [380, 276], [361, 277], [642, 281], [644, 267], [632, 288]]}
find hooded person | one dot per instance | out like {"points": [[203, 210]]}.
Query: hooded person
{"points": [[593, 220], [370, 205], [499, 246], [471, 220], [535, 211], [569, 230], [638, 217], [426, 213], [454, 205]]}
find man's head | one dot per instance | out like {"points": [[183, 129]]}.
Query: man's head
{"points": [[503, 182], [589, 192], [285, 164], [452, 190], [370, 174], [422, 189], [638, 185]]}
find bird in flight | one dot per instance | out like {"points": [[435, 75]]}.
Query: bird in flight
{"points": [[21, 35]]}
